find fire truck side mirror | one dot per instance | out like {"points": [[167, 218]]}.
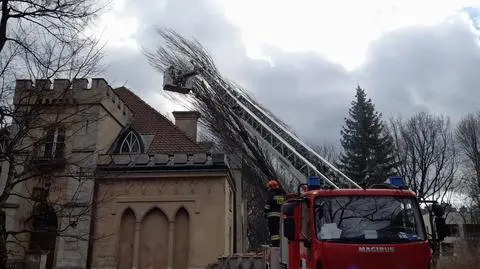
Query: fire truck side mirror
{"points": [[441, 228], [438, 210], [440, 224]]}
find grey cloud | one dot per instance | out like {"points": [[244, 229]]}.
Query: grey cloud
{"points": [[202, 20], [420, 68], [434, 66], [307, 92], [196, 19], [129, 68], [438, 64]]}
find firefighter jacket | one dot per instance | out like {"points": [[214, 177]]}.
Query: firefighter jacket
{"points": [[274, 203]]}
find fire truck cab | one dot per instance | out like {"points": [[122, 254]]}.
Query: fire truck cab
{"points": [[379, 227]]}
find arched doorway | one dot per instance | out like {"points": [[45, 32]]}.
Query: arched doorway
{"points": [[127, 240], [43, 236], [154, 240], [181, 248]]}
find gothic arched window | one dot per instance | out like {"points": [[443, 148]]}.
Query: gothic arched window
{"points": [[130, 144]]}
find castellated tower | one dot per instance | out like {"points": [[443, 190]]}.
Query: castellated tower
{"points": [[61, 128]]}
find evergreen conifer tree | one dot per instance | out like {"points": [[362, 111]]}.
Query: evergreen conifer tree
{"points": [[368, 149]]}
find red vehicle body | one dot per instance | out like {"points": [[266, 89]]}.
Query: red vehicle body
{"points": [[364, 236], [333, 229]]}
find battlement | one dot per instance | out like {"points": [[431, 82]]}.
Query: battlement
{"points": [[65, 92], [62, 84]]}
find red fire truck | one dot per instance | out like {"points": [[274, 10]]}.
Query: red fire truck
{"points": [[379, 227], [337, 228]]}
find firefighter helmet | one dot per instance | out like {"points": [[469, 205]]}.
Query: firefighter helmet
{"points": [[272, 184]]}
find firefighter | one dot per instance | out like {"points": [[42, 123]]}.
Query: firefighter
{"points": [[272, 211]]}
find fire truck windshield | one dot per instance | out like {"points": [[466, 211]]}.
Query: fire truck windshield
{"points": [[368, 219]]}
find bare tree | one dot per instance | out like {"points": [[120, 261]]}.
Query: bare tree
{"points": [[327, 151], [225, 127], [468, 138], [223, 124], [426, 154], [47, 38], [40, 40], [427, 158], [47, 166]]}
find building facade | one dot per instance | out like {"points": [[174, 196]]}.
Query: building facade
{"points": [[134, 190], [462, 231]]}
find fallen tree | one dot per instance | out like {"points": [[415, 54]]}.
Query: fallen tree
{"points": [[222, 124]]}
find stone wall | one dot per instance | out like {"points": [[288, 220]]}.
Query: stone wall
{"points": [[95, 117], [75, 92], [201, 196]]}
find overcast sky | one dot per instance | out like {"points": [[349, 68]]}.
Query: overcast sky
{"points": [[303, 59]]}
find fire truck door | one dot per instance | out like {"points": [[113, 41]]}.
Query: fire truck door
{"points": [[283, 248], [305, 245]]}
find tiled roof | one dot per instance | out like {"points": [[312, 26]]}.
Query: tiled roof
{"points": [[168, 138]]}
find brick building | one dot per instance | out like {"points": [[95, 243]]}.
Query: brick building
{"points": [[158, 199]]}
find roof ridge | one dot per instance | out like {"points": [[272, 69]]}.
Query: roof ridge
{"points": [[161, 116]]}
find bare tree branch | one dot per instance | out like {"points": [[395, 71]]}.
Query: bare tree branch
{"points": [[427, 154], [43, 40], [221, 123], [328, 151], [468, 138]]}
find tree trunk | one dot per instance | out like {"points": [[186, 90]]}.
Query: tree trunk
{"points": [[435, 241], [3, 240], [3, 26]]}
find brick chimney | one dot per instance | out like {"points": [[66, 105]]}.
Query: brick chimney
{"points": [[187, 122]]}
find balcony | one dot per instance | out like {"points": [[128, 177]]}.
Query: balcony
{"points": [[50, 160], [53, 164]]}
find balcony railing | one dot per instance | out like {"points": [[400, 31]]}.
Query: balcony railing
{"points": [[49, 162]]}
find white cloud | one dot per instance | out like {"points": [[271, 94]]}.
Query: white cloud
{"points": [[117, 27], [408, 55], [340, 30]]}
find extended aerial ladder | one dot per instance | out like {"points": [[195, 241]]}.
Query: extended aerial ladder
{"points": [[299, 158]]}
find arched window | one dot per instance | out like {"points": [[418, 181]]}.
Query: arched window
{"points": [[130, 144]]}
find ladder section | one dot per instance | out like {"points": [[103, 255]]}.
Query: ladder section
{"points": [[279, 139], [299, 155]]}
